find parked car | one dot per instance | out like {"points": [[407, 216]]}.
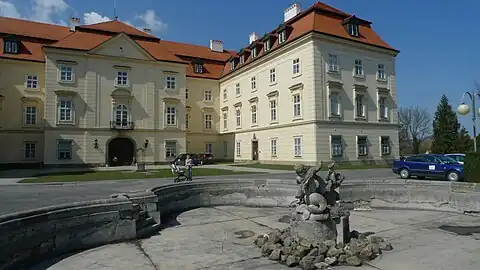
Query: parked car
{"points": [[180, 159], [206, 158], [429, 165], [458, 157]]}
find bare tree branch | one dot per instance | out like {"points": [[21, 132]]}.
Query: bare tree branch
{"points": [[418, 123]]}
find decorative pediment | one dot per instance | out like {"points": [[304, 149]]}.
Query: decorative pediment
{"points": [[67, 62], [122, 67], [170, 72], [65, 93], [208, 109], [297, 86], [123, 46], [253, 99], [334, 84], [121, 93], [170, 99], [225, 108], [31, 100], [238, 104], [359, 88], [272, 93], [383, 90]]}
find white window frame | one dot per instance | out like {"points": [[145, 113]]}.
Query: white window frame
{"points": [[121, 78], [383, 113], [30, 118], [360, 106], [170, 82], [170, 149], [297, 146], [273, 106], [333, 66], [335, 112], [225, 94], [242, 59], [238, 117], [29, 150], [124, 111], [296, 66], [64, 149], [385, 149], [353, 30], [208, 148], [273, 147], [31, 82], [232, 65], [208, 121], [207, 95], [336, 146], [238, 91], [381, 75], [170, 115], [238, 149], [267, 46], [282, 37], [253, 83], [254, 52], [254, 114], [273, 76], [362, 148], [69, 110], [297, 105], [225, 120], [11, 46], [63, 73], [198, 68], [358, 69]]}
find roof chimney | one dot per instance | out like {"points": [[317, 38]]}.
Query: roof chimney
{"points": [[291, 12], [147, 30], [74, 22], [216, 45], [252, 37]]}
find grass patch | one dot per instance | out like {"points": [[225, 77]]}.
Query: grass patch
{"points": [[290, 167], [122, 175]]}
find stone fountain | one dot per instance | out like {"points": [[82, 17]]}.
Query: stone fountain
{"points": [[310, 241]]}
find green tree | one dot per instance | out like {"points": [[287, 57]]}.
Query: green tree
{"points": [[464, 141], [445, 128]]}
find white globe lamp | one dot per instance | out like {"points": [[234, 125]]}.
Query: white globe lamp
{"points": [[463, 109]]}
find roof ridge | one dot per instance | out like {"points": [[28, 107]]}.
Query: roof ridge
{"points": [[32, 21]]}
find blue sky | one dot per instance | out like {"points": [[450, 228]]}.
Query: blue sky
{"points": [[437, 39]]}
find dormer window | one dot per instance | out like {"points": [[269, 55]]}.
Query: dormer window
{"points": [[254, 52], [283, 31], [267, 45], [11, 46], [198, 68], [353, 30], [242, 59], [232, 64], [282, 36]]}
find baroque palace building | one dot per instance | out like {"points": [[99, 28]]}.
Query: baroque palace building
{"points": [[320, 86]]}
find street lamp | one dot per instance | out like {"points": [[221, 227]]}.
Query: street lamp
{"points": [[464, 109]]}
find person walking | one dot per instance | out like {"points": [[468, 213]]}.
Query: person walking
{"points": [[188, 164]]}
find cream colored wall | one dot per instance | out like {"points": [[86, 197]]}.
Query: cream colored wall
{"points": [[13, 132], [287, 85], [93, 87], [198, 107]]}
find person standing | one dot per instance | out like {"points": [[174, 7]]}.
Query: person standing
{"points": [[188, 164]]}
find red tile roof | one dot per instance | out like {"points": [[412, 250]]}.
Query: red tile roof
{"points": [[116, 26]]}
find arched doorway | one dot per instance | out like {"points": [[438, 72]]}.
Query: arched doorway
{"points": [[121, 152]]}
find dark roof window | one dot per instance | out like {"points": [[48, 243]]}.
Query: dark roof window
{"points": [[11, 46], [198, 68], [352, 25]]}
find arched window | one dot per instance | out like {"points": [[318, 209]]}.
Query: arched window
{"points": [[121, 115]]}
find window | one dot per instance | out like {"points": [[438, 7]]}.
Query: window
{"points": [[382, 106], [30, 150], [253, 109], [296, 66], [198, 68], [273, 110], [65, 110], [237, 89], [267, 45], [273, 78], [253, 82], [122, 78], [282, 36], [11, 47], [66, 74], [186, 93], [121, 115], [332, 63], [170, 150], [187, 116], [237, 146], [64, 149], [170, 82], [30, 115], [362, 145], [225, 120], [32, 82], [336, 144], [254, 52], [334, 104], [232, 65], [242, 59], [296, 106], [273, 147], [171, 116], [385, 146], [353, 30], [358, 68], [225, 94], [208, 148], [297, 146], [208, 95], [381, 72], [225, 148], [359, 106], [208, 121], [238, 115]]}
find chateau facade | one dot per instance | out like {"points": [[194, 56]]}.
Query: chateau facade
{"points": [[321, 86]]}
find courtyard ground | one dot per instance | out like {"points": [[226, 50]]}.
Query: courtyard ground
{"points": [[290, 167]]}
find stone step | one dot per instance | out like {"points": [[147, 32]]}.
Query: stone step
{"points": [[142, 223], [149, 230]]}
